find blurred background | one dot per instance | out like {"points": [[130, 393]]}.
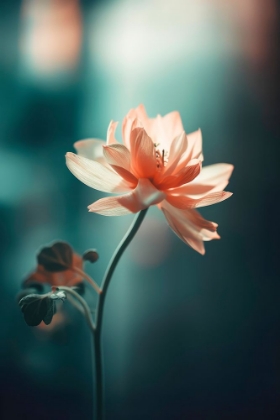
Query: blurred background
{"points": [[185, 336]]}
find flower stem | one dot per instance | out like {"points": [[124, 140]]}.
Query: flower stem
{"points": [[100, 306], [86, 310], [88, 278]]}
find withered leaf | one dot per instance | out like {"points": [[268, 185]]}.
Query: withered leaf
{"points": [[57, 257]]}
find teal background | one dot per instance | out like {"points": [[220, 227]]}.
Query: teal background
{"points": [[185, 336]]}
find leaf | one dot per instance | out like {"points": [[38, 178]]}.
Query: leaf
{"points": [[50, 313], [38, 308], [35, 308], [57, 257], [91, 256]]}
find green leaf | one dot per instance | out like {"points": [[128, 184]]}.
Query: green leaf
{"points": [[38, 308], [35, 308], [91, 256], [57, 257], [50, 313]]}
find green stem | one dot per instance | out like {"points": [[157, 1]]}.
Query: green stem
{"points": [[87, 312], [100, 307]]}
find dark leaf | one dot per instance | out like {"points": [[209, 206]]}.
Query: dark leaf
{"points": [[38, 308], [50, 313], [91, 256], [35, 308], [57, 257]]}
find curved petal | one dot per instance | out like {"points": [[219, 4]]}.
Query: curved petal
{"points": [[126, 175], [143, 196], [163, 130], [213, 178], [178, 146], [117, 154], [195, 144], [111, 133], [115, 206], [190, 226], [212, 198], [172, 125], [142, 154], [215, 174], [186, 174], [95, 175], [91, 149], [129, 123], [184, 202]]}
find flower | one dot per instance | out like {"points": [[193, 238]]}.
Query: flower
{"points": [[58, 278], [158, 164]]}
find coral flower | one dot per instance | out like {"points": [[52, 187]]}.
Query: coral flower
{"points": [[157, 164], [62, 278]]}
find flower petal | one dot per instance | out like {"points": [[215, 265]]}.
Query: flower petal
{"points": [[190, 226], [91, 149], [117, 154], [143, 196], [178, 146], [129, 123], [184, 202], [111, 133], [213, 178], [95, 175], [115, 206], [195, 145], [212, 198], [186, 174], [142, 154], [215, 174], [172, 125]]}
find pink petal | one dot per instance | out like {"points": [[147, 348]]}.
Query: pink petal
{"points": [[178, 146], [213, 178], [195, 145], [184, 202], [213, 198], [215, 174], [129, 123], [143, 196], [111, 133], [190, 226], [95, 175], [91, 149], [115, 206], [117, 154], [172, 125], [142, 154], [127, 175], [186, 174]]}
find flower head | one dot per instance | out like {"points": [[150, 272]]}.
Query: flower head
{"points": [[157, 164], [58, 265]]}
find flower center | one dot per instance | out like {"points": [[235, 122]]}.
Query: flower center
{"points": [[161, 156]]}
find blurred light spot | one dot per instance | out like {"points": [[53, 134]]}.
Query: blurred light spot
{"points": [[255, 24], [51, 37], [153, 35]]}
